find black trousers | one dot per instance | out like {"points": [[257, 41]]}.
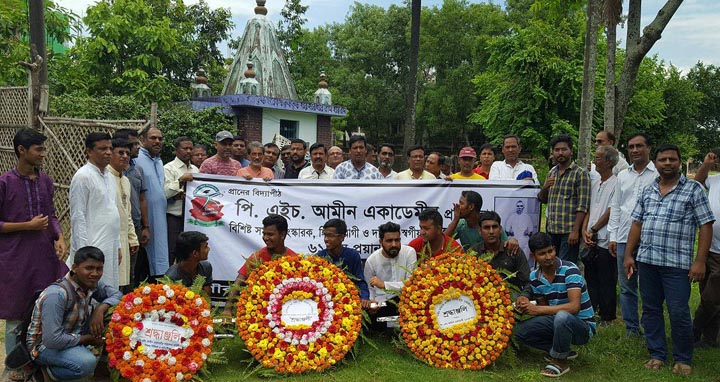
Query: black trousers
{"points": [[707, 315], [601, 275], [174, 227]]}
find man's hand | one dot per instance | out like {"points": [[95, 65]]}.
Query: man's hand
{"points": [[119, 256], [512, 246], [521, 304], [588, 239], [247, 177], [38, 223], [549, 182], [97, 326], [89, 339], [697, 271], [144, 238], [710, 159], [376, 282], [574, 237], [134, 249], [267, 178], [612, 248], [629, 266], [187, 177], [60, 248]]}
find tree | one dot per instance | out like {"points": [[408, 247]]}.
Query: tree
{"points": [[409, 128], [290, 27], [587, 99], [612, 10], [705, 79]]}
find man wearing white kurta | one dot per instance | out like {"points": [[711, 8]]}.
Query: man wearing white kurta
{"points": [[94, 217], [129, 244], [512, 168]]}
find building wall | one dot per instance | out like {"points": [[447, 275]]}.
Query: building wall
{"points": [[307, 125]]}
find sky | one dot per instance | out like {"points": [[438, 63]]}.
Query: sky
{"points": [[691, 36]]}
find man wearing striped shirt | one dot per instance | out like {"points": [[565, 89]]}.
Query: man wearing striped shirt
{"points": [[563, 314]]}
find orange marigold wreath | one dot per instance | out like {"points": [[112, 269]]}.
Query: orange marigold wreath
{"points": [[170, 313], [322, 338], [455, 312]]}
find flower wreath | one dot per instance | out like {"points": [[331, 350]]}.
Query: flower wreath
{"points": [[315, 340], [186, 317], [455, 312]]}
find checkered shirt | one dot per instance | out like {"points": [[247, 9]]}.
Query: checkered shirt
{"points": [[570, 194]]}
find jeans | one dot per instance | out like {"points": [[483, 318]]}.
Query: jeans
{"points": [[707, 315], [601, 276], [672, 286], [564, 250], [628, 294], [554, 334], [68, 364], [12, 329]]}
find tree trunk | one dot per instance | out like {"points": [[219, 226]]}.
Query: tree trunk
{"points": [[588, 90], [409, 132], [636, 49], [610, 78]]}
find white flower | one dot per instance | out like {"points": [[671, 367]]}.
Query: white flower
{"points": [[147, 380], [203, 356], [210, 329], [206, 342], [194, 322], [205, 313], [151, 355], [198, 301], [127, 355], [172, 361], [306, 279], [137, 301], [179, 376], [166, 287], [154, 316], [137, 316], [185, 344], [170, 293], [294, 342], [146, 290], [161, 300], [139, 363]]}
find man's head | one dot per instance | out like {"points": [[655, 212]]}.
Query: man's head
{"points": [[285, 155], [131, 135], [511, 148], [334, 232], [99, 149], [639, 147], [239, 149], [416, 158], [386, 156], [487, 155], [390, 239], [87, 267], [256, 153], [604, 138], [224, 144], [430, 225], [191, 245], [199, 154], [183, 148], [606, 157], [152, 140], [120, 159], [668, 161], [358, 152], [272, 153], [433, 163], [318, 154], [335, 156], [466, 160], [490, 227], [470, 203], [298, 149], [274, 232], [562, 149], [371, 156], [29, 146], [542, 249]]}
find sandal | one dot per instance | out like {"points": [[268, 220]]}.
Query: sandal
{"points": [[571, 356], [553, 370], [654, 364], [682, 369]]}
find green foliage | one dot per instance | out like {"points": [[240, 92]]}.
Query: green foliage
{"points": [[77, 105], [290, 27], [706, 80], [201, 126]]}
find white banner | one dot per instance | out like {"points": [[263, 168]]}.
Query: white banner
{"points": [[230, 210]]}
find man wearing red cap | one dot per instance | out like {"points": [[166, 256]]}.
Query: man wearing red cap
{"points": [[466, 160]]}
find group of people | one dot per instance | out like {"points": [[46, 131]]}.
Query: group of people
{"points": [[621, 220]]}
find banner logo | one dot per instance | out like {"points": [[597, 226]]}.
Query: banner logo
{"points": [[206, 211]]}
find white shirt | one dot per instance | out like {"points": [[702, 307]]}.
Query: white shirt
{"points": [[500, 170], [407, 175], [309, 172], [173, 171], [393, 271], [621, 165], [391, 175], [94, 217], [713, 184], [629, 185], [600, 195]]}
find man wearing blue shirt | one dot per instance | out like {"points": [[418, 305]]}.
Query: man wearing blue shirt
{"points": [[345, 258], [562, 309]]}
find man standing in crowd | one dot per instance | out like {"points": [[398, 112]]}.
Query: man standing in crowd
{"points": [[298, 149], [563, 312], [433, 163], [335, 156], [707, 315], [371, 154], [318, 170], [255, 169], [416, 161], [177, 172], [491, 231], [222, 162], [512, 168], [191, 254], [139, 268], [346, 258], [149, 160], [487, 157], [466, 160], [357, 167], [94, 217], [432, 240], [128, 239], [274, 232], [239, 150], [31, 240], [270, 160], [386, 271], [465, 224], [606, 138], [666, 217], [199, 154], [285, 156], [567, 194], [600, 265], [64, 323], [386, 159], [630, 184]]}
